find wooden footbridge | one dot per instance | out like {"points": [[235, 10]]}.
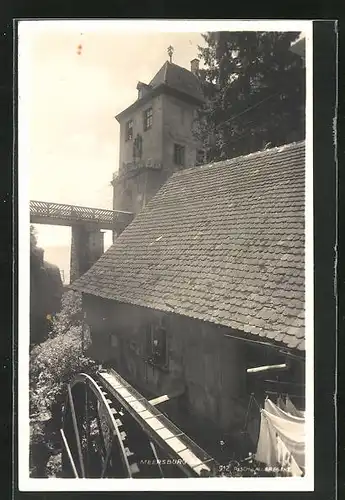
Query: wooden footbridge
{"points": [[87, 243], [58, 214]]}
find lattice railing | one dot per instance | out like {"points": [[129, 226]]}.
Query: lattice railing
{"points": [[72, 212]]}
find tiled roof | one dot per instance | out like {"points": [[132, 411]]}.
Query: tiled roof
{"points": [[223, 243], [178, 78]]}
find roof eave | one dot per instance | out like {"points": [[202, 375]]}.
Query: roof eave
{"points": [[237, 334], [160, 89]]}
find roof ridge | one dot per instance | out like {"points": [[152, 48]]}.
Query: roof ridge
{"points": [[236, 158], [165, 71]]}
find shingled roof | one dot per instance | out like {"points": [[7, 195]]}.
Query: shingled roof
{"points": [[170, 79], [178, 78], [223, 243]]}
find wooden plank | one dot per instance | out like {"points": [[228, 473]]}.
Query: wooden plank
{"points": [[189, 458], [164, 433], [137, 406], [166, 397], [160, 399], [154, 423], [176, 444], [258, 369], [124, 393], [67, 448], [76, 430]]}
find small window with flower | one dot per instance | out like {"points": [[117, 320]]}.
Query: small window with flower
{"points": [[157, 346]]}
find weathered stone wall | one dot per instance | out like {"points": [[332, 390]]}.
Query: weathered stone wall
{"points": [[87, 246], [209, 367]]}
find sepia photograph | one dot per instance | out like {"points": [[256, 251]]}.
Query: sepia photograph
{"points": [[165, 255]]}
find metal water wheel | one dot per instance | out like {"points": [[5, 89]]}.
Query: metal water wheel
{"points": [[99, 439]]}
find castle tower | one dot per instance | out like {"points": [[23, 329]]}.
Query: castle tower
{"points": [[156, 134]]}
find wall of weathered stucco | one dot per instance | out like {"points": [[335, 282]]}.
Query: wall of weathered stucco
{"points": [[87, 246], [152, 143], [172, 123], [178, 118]]}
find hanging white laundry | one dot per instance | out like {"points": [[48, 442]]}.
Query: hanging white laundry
{"points": [[281, 439], [266, 452], [286, 459], [275, 410], [281, 404], [291, 408], [292, 433]]}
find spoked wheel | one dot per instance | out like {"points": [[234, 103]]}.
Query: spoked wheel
{"points": [[94, 441], [100, 440]]}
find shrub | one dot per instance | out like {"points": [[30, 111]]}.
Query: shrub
{"points": [[70, 314], [53, 364], [57, 360]]}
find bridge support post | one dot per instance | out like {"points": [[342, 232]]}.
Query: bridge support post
{"points": [[86, 248]]}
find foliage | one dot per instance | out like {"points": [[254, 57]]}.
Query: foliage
{"points": [[254, 92], [35, 251], [33, 237], [70, 315], [54, 362], [53, 467]]}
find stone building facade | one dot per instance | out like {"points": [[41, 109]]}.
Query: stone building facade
{"points": [[156, 135]]}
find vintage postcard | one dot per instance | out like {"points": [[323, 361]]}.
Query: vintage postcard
{"points": [[165, 255]]}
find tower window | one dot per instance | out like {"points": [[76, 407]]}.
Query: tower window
{"points": [[179, 154], [129, 130], [148, 118]]}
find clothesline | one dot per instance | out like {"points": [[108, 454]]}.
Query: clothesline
{"points": [[284, 382], [299, 396], [253, 399]]}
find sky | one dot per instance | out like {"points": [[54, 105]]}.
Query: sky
{"points": [[71, 100]]}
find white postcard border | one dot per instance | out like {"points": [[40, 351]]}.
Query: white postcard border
{"points": [[189, 484]]}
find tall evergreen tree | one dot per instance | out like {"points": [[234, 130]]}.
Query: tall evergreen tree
{"points": [[254, 88]]}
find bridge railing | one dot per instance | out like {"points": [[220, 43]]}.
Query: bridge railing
{"points": [[73, 212]]}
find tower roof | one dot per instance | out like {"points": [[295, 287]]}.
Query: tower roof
{"points": [[172, 79], [178, 78]]}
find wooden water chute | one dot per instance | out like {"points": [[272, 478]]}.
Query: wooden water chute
{"points": [[111, 430]]}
